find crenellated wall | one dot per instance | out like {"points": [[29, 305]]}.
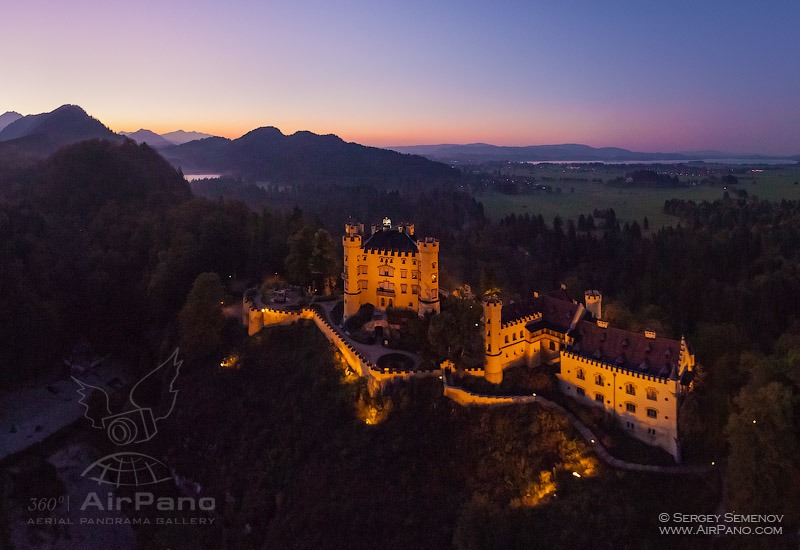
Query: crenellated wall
{"points": [[376, 377]]}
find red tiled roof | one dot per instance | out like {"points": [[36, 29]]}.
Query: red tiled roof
{"points": [[625, 349]]}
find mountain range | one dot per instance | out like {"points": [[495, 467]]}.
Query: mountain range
{"points": [[476, 153], [264, 154], [267, 155], [160, 141], [42, 134]]}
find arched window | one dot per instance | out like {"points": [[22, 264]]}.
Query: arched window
{"points": [[652, 394], [630, 389], [598, 379], [580, 374]]}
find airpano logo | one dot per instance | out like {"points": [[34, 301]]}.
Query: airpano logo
{"points": [[140, 424]]}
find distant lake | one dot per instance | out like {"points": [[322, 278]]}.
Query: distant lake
{"points": [[684, 161], [192, 177]]}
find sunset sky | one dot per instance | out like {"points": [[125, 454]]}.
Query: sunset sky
{"points": [[644, 75]]}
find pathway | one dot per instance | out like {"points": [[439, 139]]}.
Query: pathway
{"points": [[466, 398]]}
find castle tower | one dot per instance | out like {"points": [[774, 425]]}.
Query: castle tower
{"points": [[594, 303], [493, 369], [352, 252], [428, 275]]}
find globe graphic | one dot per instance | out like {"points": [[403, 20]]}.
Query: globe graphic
{"points": [[128, 469]]}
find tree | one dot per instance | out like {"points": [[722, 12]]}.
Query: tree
{"points": [[201, 317], [455, 333], [763, 474]]}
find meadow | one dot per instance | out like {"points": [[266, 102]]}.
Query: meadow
{"points": [[579, 194]]}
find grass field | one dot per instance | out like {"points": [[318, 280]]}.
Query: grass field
{"points": [[579, 196]]}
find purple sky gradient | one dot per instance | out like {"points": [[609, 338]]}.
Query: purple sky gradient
{"points": [[666, 76]]}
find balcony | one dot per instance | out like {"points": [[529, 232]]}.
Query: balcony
{"points": [[385, 292]]}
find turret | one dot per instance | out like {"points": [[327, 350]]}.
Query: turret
{"points": [[493, 369], [351, 241], [428, 275]]}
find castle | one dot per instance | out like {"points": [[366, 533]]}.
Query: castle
{"points": [[638, 378], [389, 267]]}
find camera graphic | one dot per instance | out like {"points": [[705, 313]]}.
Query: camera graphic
{"points": [[130, 427]]}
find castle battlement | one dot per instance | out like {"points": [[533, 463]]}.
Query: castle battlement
{"points": [[522, 320], [614, 369], [632, 375], [391, 268]]}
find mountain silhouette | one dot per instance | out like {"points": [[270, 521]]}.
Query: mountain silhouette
{"points": [[179, 136], [42, 134], [483, 152], [8, 117], [149, 137], [267, 155]]}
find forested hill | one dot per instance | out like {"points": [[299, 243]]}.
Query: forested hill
{"points": [[269, 156], [80, 241]]}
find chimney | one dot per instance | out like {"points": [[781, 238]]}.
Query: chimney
{"points": [[594, 303]]}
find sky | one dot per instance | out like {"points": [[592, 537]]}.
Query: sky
{"points": [[644, 75]]}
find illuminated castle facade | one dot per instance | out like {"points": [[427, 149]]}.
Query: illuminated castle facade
{"points": [[390, 267], [637, 377]]}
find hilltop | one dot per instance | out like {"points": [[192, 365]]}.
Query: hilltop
{"points": [[42, 134], [8, 117], [266, 154]]}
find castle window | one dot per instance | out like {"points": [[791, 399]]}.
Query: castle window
{"points": [[383, 302], [362, 285], [415, 289], [362, 270], [386, 271], [404, 289], [404, 261], [630, 389], [506, 338], [413, 262], [580, 391], [652, 394], [489, 348], [433, 265], [651, 431], [630, 407], [580, 375], [521, 334], [552, 346], [515, 336], [598, 379], [403, 273], [652, 413], [599, 398], [433, 277], [414, 274]]}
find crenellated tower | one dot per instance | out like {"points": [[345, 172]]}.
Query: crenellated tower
{"points": [[351, 242], [428, 275], [492, 324]]}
